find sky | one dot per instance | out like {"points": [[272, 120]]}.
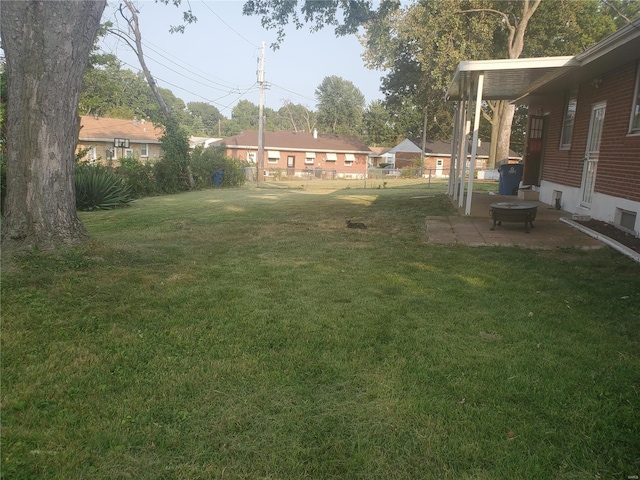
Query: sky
{"points": [[216, 59]]}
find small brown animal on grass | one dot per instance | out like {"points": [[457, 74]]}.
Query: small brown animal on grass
{"points": [[359, 225]]}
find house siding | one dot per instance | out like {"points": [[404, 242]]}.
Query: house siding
{"points": [[154, 151]]}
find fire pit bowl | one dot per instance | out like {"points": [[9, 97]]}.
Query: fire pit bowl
{"points": [[513, 212]]}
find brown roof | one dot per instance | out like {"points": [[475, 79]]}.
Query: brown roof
{"points": [[106, 129], [297, 141]]}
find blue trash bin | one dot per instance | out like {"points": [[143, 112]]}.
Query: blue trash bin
{"points": [[510, 178], [217, 177]]}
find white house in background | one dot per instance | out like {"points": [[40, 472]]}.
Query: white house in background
{"points": [[206, 142], [437, 157]]}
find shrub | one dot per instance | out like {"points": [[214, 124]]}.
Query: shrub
{"points": [[172, 172], [99, 188], [139, 176], [206, 161]]}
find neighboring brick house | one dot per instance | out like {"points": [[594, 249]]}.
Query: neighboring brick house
{"points": [[295, 154], [109, 139], [583, 146]]}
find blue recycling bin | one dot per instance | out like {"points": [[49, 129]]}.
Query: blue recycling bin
{"points": [[217, 178], [510, 178]]}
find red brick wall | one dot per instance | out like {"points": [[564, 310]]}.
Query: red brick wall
{"points": [[618, 171], [320, 161]]}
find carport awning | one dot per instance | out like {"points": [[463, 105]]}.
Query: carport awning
{"points": [[507, 79]]}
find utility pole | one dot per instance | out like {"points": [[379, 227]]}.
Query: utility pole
{"points": [[424, 143], [260, 165]]}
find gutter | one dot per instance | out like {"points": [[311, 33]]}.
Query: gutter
{"points": [[633, 255]]}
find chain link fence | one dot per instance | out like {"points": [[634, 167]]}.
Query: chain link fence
{"points": [[323, 174]]}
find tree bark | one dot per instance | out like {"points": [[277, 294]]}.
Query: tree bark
{"points": [[503, 141], [503, 114], [135, 27], [47, 46]]}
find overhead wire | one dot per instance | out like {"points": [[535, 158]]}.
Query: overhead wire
{"points": [[241, 92]]}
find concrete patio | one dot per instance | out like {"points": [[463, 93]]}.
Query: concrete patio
{"points": [[474, 230]]}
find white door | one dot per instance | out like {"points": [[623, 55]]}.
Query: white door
{"points": [[592, 153]]}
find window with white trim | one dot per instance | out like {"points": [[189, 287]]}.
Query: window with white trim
{"points": [[569, 119], [273, 156], [309, 158], [92, 155], [144, 150], [634, 124], [331, 157], [349, 158], [128, 153]]}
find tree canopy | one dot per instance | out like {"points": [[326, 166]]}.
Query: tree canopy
{"points": [[340, 105]]}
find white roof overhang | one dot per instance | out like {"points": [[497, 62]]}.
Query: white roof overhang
{"points": [[507, 79], [522, 80]]}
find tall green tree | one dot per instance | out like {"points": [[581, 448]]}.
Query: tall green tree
{"points": [[340, 106], [295, 118], [422, 44], [47, 46], [209, 117], [378, 126]]}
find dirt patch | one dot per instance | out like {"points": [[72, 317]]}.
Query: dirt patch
{"points": [[614, 233]]}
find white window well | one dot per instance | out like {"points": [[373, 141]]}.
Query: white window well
{"points": [[332, 157]]}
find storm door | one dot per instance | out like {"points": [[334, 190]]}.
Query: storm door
{"points": [[535, 147], [591, 155]]}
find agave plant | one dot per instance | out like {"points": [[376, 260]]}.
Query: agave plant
{"points": [[99, 188]]}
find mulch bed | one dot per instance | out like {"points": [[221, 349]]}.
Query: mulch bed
{"points": [[614, 233]]}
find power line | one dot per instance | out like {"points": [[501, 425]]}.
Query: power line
{"points": [[229, 26], [146, 44], [291, 91], [223, 107]]}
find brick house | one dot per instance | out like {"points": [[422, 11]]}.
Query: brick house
{"points": [[109, 139], [295, 154], [582, 151], [583, 142]]}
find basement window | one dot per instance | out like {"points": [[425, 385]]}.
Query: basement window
{"points": [[626, 220]]}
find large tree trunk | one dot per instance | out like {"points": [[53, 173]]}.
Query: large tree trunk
{"points": [[47, 46], [503, 115], [503, 141]]}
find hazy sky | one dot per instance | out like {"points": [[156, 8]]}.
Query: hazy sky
{"points": [[216, 59]]}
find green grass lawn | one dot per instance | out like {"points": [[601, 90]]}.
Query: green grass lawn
{"points": [[247, 334]]}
